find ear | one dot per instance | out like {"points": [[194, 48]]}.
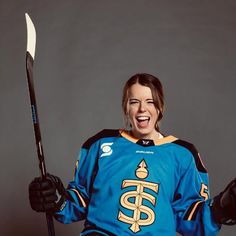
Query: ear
{"points": [[159, 115], [127, 108], [126, 120]]}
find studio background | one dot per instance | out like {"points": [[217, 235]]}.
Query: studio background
{"points": [[85, 52]]}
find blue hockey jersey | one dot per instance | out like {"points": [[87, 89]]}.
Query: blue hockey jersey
{"points": [[125, 186]]}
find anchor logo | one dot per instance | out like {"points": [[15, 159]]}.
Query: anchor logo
{"points": [[139, 194]]}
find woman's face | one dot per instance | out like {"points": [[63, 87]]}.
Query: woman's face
{"points": [[142, 112]]}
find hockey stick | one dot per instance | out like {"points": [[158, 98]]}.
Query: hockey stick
{"points": [[31, 43]]}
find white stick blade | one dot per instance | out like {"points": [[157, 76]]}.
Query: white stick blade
{"points": [[31, 36]]}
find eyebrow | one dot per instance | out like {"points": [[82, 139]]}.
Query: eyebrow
{"points": [[135, 99]]}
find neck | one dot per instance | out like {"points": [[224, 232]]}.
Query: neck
{"points": [[154, 136]]}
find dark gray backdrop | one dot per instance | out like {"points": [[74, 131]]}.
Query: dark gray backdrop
{"points": [[85, 51]]}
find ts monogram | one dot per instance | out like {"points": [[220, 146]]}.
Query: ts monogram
{"points": [[138, 195]]}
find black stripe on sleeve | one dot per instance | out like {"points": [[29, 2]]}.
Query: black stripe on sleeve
{"points": [[191, 213], [81, 200], [194, 152]]}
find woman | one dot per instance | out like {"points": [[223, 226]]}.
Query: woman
{"points": [[137, 181]]}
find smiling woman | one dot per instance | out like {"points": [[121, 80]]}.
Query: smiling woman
{"points": [[136, 181], [143, 103]]}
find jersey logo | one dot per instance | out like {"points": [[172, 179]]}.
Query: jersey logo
{"points": [[106, 149], [145, 142], [133, 200]]}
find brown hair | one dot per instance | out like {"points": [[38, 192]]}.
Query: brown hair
{"points": [[156, 88]]}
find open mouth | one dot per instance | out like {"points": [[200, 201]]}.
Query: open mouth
{"points": [[143, 121]]}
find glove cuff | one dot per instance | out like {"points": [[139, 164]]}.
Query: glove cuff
{"points": [[221, 214], [61, 192], [60, 204]]}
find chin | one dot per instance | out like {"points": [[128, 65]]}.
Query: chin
{"points": [[142, 133]]}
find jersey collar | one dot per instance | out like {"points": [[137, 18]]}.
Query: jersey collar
{"points": [[147, 142]]}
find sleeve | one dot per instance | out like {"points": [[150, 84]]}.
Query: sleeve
{"points": [[80, 188], [191, 205]]}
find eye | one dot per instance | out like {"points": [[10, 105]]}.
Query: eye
{"points": [[133, 101], [150, 101]]}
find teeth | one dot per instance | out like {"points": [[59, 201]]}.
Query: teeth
{"points": [[142, 118]]}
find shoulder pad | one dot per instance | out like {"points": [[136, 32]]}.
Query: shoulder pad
{"points": [[102, 134], [194, 152]]}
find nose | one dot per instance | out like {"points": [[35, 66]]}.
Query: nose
{"points": [[142, 107]]}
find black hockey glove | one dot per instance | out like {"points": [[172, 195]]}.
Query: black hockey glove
{"points": [[47, 195], [224, 205]]}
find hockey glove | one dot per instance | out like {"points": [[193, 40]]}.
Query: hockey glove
{"points": [[224, 205], [47, 195]]}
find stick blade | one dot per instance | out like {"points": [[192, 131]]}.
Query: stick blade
{"points": [[31, 36]]}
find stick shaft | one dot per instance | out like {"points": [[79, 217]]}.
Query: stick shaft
{"points": [[37, 133], [34, 112]]}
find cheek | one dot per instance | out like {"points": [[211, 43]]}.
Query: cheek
{"points": [[131, 117], [131, 112], [155, 113]]}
